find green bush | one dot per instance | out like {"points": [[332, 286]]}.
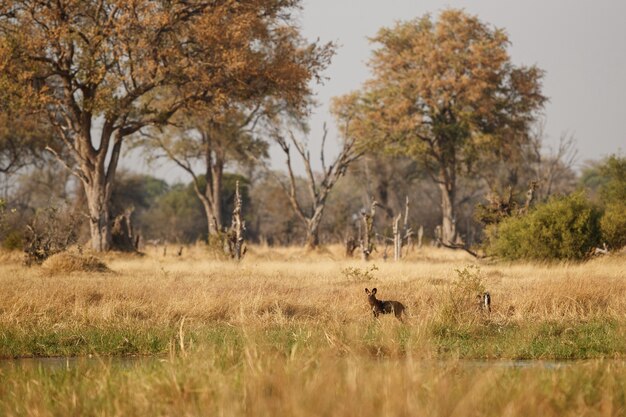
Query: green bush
{"points": [[613, 225], [613, 199], [563, 228]]}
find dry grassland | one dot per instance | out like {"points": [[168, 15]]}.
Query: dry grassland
{"points": [[290, 333]]}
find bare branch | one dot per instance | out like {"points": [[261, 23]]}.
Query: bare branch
{"points": [[74, 171], [322, 149]]}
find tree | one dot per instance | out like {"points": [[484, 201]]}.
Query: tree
{"points": [[104, 70], [613, 198], [23, 137], [175, 216], [444, 93], [21, 143], [209, 144], [318, 188]]}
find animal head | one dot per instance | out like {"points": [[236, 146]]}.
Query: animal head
{"points": [[371, 296]]}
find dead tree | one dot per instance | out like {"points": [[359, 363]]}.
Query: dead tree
{"points": [[530, 197], [367, 232], [406, 230], [402, 236], [397, 238], [351, 245], [554, 169], [420, 236], [319, 187], [122, 233], [235, 238]]}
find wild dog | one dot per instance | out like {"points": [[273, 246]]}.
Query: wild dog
{"points": [[484, 301], [384, 307]]}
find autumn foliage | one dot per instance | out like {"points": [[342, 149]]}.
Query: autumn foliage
{"points": [[103, 70], [445, 93]]}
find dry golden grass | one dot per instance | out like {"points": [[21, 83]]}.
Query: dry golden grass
{"points": [[292, 286], [68, 262], [310, 286], [289, 332]]}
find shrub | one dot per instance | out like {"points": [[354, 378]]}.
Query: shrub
{"points": [[613, 225], [358, 274], [613, 198], [614, 188], [461, 306], [563, 228], [52, 231]]}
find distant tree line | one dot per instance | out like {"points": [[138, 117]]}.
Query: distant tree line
{"points": [[446, 123]]}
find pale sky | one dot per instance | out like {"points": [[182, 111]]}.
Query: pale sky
{"points": [[580, 44]]}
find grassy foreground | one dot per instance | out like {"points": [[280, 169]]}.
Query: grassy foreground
{"points": [[288, 300], [290, 333], [210, 384]]}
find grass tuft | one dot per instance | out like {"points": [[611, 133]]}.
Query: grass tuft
{"points": [[68, 262]]}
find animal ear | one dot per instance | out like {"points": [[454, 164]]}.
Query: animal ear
{"points": [[367, 291], [374, 290]]}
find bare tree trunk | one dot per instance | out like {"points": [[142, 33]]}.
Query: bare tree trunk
{"points": [[95, 174], [213, 195], [99, 222], [397, 238], [122, 238], [217, 197], [530, 197], [318, 189], [448, 221], [211, 198], [209, 212], [350, 247], [312, 237], [236, 244], [312, 230], [420, 235], [367, 244]]}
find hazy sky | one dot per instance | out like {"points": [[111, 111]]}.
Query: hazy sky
{"points": [[580, 44]]}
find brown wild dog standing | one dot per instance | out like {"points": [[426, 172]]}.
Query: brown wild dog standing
{"points": [[384, 307]]}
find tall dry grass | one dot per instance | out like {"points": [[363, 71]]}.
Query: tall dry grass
{"points": [[286, 332], [141, 305]]}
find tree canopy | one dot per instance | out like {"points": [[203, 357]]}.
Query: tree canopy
{"points": [[445, 93], [121, 65]]}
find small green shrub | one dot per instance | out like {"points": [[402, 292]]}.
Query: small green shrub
{"points": [[358, 274], [613, 225], [613, 199], [563, 228], [461, 305]]}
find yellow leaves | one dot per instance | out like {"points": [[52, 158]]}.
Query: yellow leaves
{"points": [[441, 86]]}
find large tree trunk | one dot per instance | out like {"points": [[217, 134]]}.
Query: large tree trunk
{"points": [[211, 217], [235, 237], [211, 197], [99, 222], [216, 187], [312, 235], [313, 227], [448, 212], [98, 180]]}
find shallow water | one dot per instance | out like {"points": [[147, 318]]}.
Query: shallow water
{"points": [[69, 363], [278, 385], [126, 362]]}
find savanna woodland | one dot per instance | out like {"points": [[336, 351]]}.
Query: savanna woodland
{"points": [[240, 289]]}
